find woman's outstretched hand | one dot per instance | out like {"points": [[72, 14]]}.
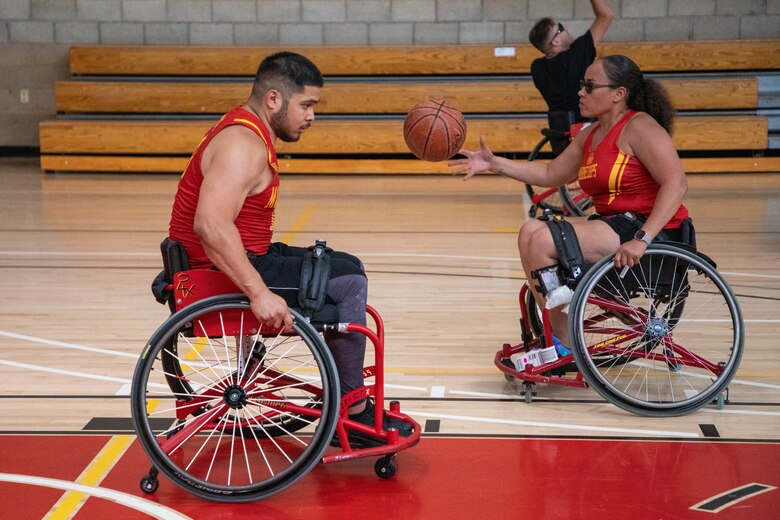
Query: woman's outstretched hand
{"points": [[475, 161]]}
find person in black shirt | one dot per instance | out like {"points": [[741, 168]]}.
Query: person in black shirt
{"points": [[557, 75]]}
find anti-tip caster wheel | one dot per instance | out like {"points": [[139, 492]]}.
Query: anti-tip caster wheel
{"points": [[386, 466], [149, 484], [529, 391]]}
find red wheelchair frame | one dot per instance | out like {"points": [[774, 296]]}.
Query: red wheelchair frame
{"points": [[660, 339], [193, 286]]}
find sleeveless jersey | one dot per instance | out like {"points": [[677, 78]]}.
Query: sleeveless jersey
{"points": [[255, 221], [618, 182]]}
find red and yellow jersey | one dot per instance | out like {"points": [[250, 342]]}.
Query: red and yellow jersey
{"points": [[255, 221], [618, 182]]}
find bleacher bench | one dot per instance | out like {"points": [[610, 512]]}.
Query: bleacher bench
{"points": [[145, 108]]}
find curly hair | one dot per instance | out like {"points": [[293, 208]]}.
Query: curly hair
{"points": [[644, 95]]}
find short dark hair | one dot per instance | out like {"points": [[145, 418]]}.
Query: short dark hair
{"points": [[287, 72], [540, 32]]}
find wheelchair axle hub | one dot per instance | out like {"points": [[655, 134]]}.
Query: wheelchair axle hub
{"points": [[656, 328], [235, 396]]}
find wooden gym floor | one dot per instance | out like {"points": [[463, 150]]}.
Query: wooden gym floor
{"points": [[77, 255]]}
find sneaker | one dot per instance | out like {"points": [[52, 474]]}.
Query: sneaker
{"points": [[361, 440]]}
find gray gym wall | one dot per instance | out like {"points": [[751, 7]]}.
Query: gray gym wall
{"points": [[35, 34]]}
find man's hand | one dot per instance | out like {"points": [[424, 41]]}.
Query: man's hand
{"points": [[629, 253], [272, 310]]}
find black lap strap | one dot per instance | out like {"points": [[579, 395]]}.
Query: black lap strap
{"points": [[315, 272], [568, 247]]}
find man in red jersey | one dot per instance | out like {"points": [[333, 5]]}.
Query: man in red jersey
{"points": [[225, 204]]}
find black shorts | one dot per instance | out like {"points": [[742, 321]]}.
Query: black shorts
{"points": [[280, 269], [626, 225]]}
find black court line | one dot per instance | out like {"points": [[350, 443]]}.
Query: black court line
{"points": [[729, 498], [432, 426], [709, 430], [445, 436], [508, 399]]}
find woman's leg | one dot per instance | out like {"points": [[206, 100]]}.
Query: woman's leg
{"points": [[537, 250]]}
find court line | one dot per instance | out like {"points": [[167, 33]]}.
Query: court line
{"points": [[70, 503], [73, 346], [119, 497], [513, 422], [63, 372], [295, 229]]}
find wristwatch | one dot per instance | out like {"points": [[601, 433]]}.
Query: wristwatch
{"points": [[644, 237]]}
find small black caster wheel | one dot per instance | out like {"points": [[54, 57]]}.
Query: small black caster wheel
{"points": [[149, 484], [509, 377], [386, 467]]}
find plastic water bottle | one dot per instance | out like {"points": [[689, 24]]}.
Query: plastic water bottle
{"points": [[559, 348]]}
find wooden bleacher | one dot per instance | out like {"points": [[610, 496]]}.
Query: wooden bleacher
{"points": [[142, 108]]}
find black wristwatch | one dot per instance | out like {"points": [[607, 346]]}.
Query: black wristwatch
{"points": [[644, 237]]}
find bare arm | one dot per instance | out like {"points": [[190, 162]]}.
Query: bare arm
{"points": [[233, 166], [654, 148], [557, 172], [604, 15]]}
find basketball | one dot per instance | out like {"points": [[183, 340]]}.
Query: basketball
{"points": [[434, 130]]}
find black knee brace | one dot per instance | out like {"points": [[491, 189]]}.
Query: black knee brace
{"points": [[571, 267], [315, 272]]}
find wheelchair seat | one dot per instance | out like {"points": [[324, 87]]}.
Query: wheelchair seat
{"points": [[175, 285]]}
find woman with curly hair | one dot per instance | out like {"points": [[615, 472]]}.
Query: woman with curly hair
{"points": [[626, 162]]}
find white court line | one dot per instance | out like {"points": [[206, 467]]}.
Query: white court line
{"points": [[437, 391], [125, 499], [483, 394], [39, 368], [404, 387], [630, 431], [65, 345], [740, 412]]}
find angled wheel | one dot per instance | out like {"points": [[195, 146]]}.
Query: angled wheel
{"points": [[575, 201], [663, 340], [231, 412]]}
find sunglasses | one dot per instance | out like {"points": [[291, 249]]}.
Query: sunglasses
{"points": [[559, 31], [589, 85]]}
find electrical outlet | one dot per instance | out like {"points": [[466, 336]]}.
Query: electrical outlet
{"points": [[24, 95]]}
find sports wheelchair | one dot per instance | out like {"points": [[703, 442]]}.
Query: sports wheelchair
{"points": [[568, 199], [232, 410], [660, 339]]}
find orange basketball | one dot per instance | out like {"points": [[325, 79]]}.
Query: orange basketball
{"points": [[434, 130]]}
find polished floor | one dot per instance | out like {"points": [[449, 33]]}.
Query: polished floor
{"points": [[77, 255]]}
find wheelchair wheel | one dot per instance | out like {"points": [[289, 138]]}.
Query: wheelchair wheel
{"points": [[575, 201], [664, 340], [230, 412]]}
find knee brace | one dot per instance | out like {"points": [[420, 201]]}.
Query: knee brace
{"points": [[315, 272], [571, 267]]}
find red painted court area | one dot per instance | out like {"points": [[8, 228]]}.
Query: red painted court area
{"points": [[453, 478]]}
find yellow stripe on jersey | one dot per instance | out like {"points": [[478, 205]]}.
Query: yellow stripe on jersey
{"points": [[272, 199], [260, 133], [616, 175]]}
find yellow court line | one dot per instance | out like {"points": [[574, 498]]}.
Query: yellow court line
{"points": [[93, 475], [299, 224]]}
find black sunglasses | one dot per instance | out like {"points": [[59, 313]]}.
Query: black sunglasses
{"points": [[559, 31], [589, 85]]}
